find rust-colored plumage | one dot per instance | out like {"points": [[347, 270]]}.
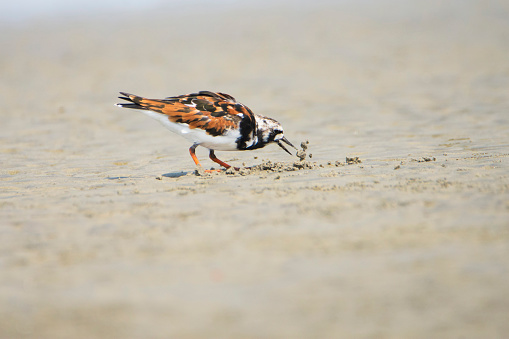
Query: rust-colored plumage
{"points": [[213, 112]]}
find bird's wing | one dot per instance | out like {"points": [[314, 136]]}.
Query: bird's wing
{"points": [[213, 112]]}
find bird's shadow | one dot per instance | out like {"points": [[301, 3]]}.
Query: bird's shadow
{"points": [[175, 174]]}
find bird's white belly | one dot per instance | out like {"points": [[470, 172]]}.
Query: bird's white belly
{"points": [[198, 136]]}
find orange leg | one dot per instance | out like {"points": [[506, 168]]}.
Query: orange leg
{"points": [[216, 160], [212, 156], [193, 155]]}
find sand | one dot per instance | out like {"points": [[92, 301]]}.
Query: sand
{"points": [[106, 232]]}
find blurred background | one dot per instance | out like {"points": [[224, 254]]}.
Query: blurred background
{"points": [[411, 243]]}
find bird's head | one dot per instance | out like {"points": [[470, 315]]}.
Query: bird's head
{"points": [[271, 131]]}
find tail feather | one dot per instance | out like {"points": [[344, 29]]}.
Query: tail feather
{"points": [[133, 101]]}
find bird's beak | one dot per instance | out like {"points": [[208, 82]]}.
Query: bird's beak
{"points": [[283, 147]]}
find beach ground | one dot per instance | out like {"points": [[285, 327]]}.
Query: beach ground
{"points": [[107, 233]]}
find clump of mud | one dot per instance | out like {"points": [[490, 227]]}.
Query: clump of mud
{"points": [[272, 167], [351, 161], [424, 159], [301, 155], [348, 161], [269, 166]]}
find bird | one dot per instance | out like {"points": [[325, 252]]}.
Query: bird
{"points": [[214, 120]]}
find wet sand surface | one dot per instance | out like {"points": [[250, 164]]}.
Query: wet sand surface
{"points": [[106, 232]]}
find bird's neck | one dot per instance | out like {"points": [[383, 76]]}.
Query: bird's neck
{"points": [[253, 133]]}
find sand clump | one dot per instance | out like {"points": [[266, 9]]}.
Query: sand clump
{"points": [[272, 167], [424, 159], [268, 166], [301, 154], [352, 161], [348, 161]]}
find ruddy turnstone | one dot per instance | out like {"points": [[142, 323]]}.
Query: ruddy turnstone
{"points": [[212, 120]]}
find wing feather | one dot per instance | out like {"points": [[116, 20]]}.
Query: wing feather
{"points": [[216, 113]]}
